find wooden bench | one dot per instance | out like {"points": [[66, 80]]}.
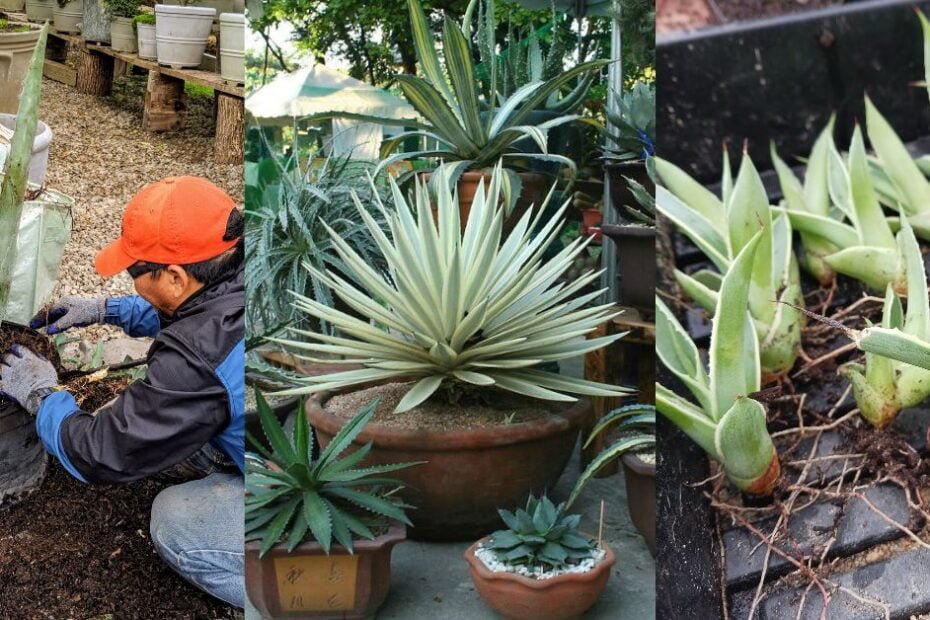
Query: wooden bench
{"points": [[165, 99], [630, 361]]}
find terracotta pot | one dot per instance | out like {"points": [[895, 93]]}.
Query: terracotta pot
{"points": [[468, 474], [641, 497], [307, 583], [521, 598], [532, 194]]}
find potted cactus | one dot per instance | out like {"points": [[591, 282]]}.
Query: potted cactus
{"points": [[468, 317], [319, 529], [541, 565]]}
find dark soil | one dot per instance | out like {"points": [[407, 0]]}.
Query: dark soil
{"points": [[497, 409], [13, 334], [92, 395], [77, 551]]}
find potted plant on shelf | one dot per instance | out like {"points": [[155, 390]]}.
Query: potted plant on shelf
{"points": [[635, 427], [635, 239], [95, 23], [18, 41], [40, 10], [123, 36], [468, 142], [319, 529], [68, 15], [181, 34], [541, 566], [144, 24], [467, 316]]}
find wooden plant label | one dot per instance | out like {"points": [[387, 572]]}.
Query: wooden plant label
{"points": [[316, 582]]}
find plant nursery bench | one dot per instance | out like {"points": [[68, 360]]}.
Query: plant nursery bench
{"points": [[165, 107]]}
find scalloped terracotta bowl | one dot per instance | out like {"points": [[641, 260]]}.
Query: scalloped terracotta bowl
{"points": [[521, 598]]}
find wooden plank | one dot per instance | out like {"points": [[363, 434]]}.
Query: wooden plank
{"points": [[194, 76], [59, 72]]}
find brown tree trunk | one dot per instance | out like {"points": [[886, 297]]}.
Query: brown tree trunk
{"points": [[94, 74], [165, 103], [229, 129]]}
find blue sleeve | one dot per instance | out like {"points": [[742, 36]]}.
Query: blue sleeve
{"points": [[55, 409], [136, 316]]}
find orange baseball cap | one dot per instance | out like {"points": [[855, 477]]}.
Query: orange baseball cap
{"points": [[175, 221]]}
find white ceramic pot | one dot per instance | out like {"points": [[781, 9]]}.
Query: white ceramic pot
{"points": [[12, 5], [146, 41], [16, 50], [181, 34], [68, 18], [40, 10], [123, 35], [232, 47], [39, 162]]}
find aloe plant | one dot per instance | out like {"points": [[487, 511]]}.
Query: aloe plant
{"points": [[540, 537], [637, 425], [721, 228], [15, 177], [865, 247], [294, 495], [449, 98], [461, 308], [724, 420], [632, 131], [886, 383], [898, 180]]}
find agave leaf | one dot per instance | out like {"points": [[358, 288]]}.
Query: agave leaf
{"points": [[701, 199], [897, 162], [609, 454], [876, 267], [744, 444], [871, 224], [278, 525], [693, 421]]}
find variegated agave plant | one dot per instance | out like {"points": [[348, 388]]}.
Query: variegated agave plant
{"points": [[888, 382], [835, 190], [459, 307], [721, 228], [725, 421]]}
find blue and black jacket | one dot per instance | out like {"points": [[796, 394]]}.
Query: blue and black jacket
{"points": [[193, 392]]}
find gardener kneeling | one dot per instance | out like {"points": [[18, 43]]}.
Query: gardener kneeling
{"points": [[182, 245]]}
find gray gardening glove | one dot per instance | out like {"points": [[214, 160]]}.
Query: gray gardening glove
{"points": [[27, 378], [70, 312]]}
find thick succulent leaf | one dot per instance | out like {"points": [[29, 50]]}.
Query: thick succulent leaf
{"points": [[743, 443], [372, 503], [703, 295], [917, 320], [694, 225], [679, 354], [690, 418], [874, 266], [274, 433], [275, 530], [690, 192], [870, 220], [730, 369], [816, 183], [895, 344], [897, 162], [838, 233], [422, 389], [612, 452], [344, 438]]}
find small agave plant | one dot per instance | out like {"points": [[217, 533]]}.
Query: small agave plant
{"points": [[898, 179], [293, 494], [865, 248], [722, 228], [540, 537], [888, 382], [725, 421], [459, 308]]}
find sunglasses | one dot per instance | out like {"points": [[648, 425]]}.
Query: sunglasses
{"points": [[139, 269]]}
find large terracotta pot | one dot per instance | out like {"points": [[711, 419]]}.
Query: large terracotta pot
{"points": [[16, 50], [641, 497], [468, 474], [532, 194], [521, 598], [307, 583]]}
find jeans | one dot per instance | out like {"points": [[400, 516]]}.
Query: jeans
{"points": [[198, 529]]}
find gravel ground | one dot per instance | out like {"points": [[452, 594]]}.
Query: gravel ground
{"points": [[101, 156]]}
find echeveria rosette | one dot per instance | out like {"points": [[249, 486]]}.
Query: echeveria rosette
{"points": [[722, 419]]}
